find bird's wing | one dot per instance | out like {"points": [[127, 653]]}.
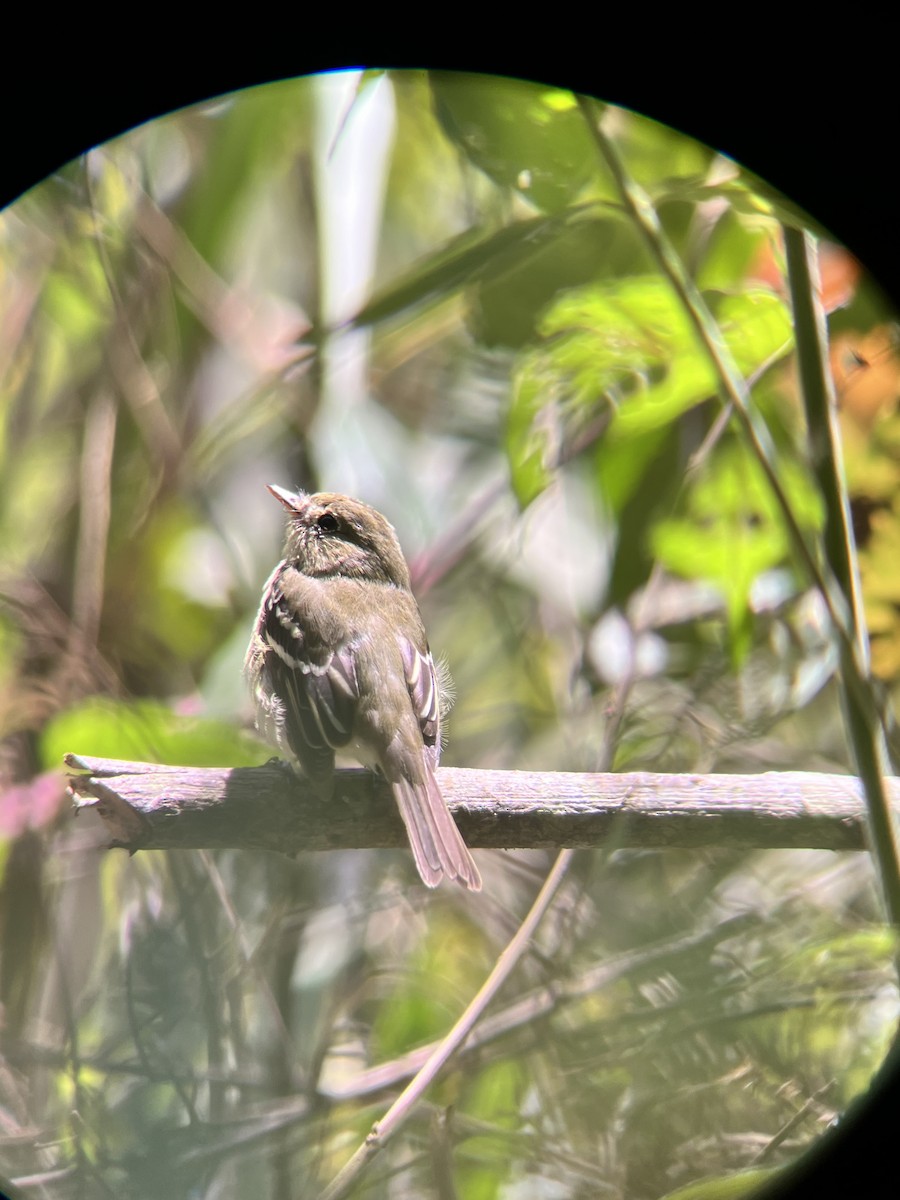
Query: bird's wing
{"points": [[318, 686], [421, 681]]}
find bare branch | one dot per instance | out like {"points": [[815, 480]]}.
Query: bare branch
{"points": [[145, 806]]}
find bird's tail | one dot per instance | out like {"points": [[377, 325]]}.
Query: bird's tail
{"points": [[437, 844]]}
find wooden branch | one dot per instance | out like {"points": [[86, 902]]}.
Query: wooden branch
{"points": [[145, 807]]}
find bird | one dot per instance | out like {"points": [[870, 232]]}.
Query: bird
{"points": [[339, 661]]}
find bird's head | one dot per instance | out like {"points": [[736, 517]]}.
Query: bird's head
{"points": [[333, 535]]}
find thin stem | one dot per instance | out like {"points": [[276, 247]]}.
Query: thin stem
{"points": [[400, 1110], [835, 577], [863, 723], [639, 205]]}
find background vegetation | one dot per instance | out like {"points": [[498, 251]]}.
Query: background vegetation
{"points": [[425, 291]]}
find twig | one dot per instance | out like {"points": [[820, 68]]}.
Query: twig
{"points": [[144, 806], [539, 1003], [396, 1115]]}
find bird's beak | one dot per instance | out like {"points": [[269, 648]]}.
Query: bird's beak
{"points": [[292, 501]]}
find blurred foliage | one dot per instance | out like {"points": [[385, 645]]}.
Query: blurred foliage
{"points": [[423, 290], [145, 731]]}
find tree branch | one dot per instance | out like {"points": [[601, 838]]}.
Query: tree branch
{"points": [[145, 806]]}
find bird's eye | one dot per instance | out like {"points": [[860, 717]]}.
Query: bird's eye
{"points": [[327, 522]]}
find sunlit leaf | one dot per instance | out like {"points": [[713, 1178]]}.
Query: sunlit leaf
{"points": [[464, 260], [627, 346], [534, 140], [146, 731], [732, 530], [532, 437]]}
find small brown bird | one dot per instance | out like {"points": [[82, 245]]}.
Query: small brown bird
{"points": [[339, 660]]}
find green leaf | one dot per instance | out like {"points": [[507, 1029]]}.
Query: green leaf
{"points": [[619, 474], [625, 345], [531, 139], [146, 731], [732, 530], [466, 259], [508, 303], [745, 193], [633, 339], [726, 1187], [532, 437]]}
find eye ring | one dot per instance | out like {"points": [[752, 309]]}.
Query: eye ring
{"points": [[327, 522]]}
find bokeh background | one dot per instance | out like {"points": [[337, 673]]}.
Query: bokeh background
{"points": [[424, 290]]}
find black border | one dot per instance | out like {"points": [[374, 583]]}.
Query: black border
{"points": [[811, 111]]}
